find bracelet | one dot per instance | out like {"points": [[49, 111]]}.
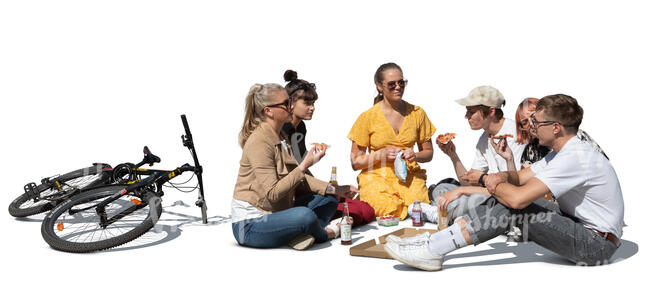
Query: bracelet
{"points": [[480, 179]]}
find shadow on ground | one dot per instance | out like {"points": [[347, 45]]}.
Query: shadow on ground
{"points": [[524, 253]]}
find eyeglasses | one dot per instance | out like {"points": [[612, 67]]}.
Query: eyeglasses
{"points": [[286, 104], [536, 124], [393, 84]]}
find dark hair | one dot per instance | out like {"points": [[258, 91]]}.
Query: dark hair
{"points": [[498, 113], [379, 77], [563, 109], [295, 86]]}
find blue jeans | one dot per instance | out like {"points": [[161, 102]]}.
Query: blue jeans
{"points": [[309, 216], [543, 223], [460, 206]]}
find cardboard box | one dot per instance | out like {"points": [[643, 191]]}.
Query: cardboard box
{"points": [[375, 248]]}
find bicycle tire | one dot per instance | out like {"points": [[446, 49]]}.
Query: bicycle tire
{"points": [[81, 179], [84, 225]]}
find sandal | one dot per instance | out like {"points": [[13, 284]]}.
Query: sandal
{"points": [[302, 242]]}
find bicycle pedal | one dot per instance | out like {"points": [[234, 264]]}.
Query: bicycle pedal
{"points": [[31, 191]]}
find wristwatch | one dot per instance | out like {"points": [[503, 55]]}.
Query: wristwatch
{"points": [[480, 179]]}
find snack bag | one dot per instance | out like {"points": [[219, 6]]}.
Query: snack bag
{"points": [[400, 167]]}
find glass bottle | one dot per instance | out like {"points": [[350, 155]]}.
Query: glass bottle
{"points": [[333, 180], [346, 226], [416, 214]]}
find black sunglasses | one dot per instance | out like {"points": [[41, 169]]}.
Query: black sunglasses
{"points": [[286, 104], [393, 84]]}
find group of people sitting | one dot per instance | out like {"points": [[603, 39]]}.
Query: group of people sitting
{"points": [[539, 175]]}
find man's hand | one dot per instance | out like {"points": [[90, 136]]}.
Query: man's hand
{"points": [[472, 177], [449, 149], [502, 148], [446, 198], [492, 180]]}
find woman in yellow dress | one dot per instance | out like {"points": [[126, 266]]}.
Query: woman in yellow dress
{"points": [[391, 125]]}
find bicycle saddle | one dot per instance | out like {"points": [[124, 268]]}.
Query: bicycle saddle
{"points": [[150, 158]]}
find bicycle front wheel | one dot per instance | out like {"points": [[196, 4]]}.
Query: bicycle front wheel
{"points": [[71, 183], [75, 226]]}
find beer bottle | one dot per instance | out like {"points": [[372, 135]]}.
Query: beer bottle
{"points": [[443, 221], [333, 177], [346, 226], [416, 214]]}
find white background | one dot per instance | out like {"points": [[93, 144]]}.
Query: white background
{"points": [[89, 81]]}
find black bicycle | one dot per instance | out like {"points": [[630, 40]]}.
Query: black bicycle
{"points": [[56, 189], [109, 216]]}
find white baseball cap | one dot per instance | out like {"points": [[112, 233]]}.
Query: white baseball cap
{"points": [[483, 95]]}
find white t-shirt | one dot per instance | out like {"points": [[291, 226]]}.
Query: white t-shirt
{"points": [[585, 185], [242, 210], [487, 158]]}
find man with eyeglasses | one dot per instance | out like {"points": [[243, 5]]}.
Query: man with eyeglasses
{"points": [[584, 227], [484, 112]]}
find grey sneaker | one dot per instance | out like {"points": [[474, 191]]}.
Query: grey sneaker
{"points": [[415, 254], [419, 237]]}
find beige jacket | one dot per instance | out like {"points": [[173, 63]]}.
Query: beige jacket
{"points": [[268, 177]]}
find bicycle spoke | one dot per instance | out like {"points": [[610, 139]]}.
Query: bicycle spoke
{"points": [[84, 226]]}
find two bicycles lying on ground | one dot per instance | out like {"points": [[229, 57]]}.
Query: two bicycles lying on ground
{"points": [[101, 207]]}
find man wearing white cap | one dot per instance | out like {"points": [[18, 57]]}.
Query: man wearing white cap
{"points": [[483, 106]]}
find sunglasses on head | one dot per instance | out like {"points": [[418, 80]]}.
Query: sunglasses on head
{"points": [[393, 84], [303, 86]]}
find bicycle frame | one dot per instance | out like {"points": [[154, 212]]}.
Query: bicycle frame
{"points": [[156, 178]]}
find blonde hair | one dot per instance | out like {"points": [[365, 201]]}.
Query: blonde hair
{"points": [[258, 97]]}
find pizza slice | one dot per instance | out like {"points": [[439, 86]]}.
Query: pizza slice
{"points": [[503, 136], [445, 138], [320, 146]]}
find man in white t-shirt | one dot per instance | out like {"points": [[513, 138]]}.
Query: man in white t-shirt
{"points": [[484, 112], [585, 228]]}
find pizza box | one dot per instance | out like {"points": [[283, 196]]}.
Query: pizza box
{"points": [[375, 248]]}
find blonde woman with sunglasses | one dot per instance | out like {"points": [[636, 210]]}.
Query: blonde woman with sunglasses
{"points": [[264, 213]]}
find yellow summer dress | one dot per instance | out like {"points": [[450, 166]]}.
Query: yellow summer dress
{"points": [[378, 184]]}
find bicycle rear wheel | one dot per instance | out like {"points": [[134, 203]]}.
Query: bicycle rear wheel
{"points": [[50, 195], [74, 225]]}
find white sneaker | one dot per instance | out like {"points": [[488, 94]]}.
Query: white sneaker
{"points": [[415, 254], [429, 212], [419, 237]]}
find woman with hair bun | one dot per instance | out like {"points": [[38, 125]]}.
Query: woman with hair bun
{"points": [[389, 127], [304, 96], [264, 213]]}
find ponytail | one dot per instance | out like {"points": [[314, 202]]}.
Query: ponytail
{"points": [[257, 98]]}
